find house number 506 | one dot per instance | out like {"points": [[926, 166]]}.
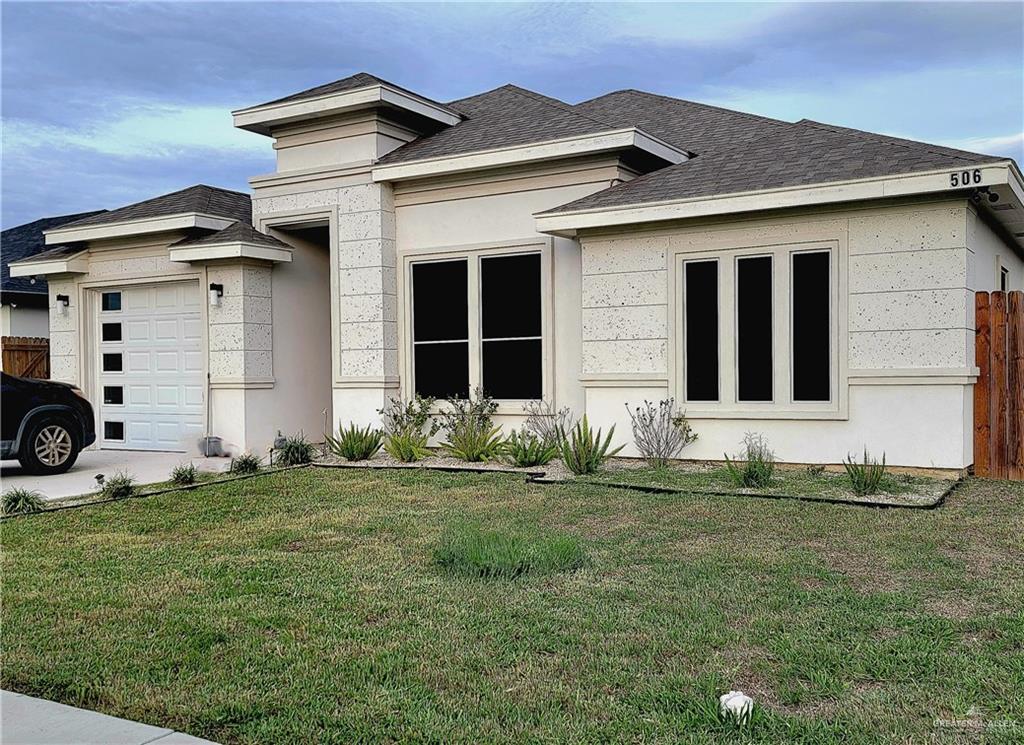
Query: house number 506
{"points": [[965, 178]]}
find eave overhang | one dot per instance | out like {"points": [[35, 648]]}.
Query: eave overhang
{"points": [[264, 118], [589, 144], [75, 264], [141, 226], [1002, 178], [229, 250]]}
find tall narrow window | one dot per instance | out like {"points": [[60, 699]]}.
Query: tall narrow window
{"points": [[510, 314], [440, 328], [754, 328], [811, 327], [700, 309]]}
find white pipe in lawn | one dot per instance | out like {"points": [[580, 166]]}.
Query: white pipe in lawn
{"points": [[736, 705]]}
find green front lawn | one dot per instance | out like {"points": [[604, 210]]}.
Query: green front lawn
{"points": [[307, 606]]}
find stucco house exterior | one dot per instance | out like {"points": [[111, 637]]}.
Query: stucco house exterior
{"points": [[806, 281]]}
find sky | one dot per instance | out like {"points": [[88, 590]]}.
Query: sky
{"points": [[104, 104]]}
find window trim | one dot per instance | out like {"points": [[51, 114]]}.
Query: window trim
{"points": [[783, 405], [473, 254]]}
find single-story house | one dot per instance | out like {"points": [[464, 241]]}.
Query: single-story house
{"points": [[807, 281], [23, 300]]}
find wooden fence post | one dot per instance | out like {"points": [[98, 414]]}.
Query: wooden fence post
{"points": [[982, 401], [1015, 380], [997, 361]]}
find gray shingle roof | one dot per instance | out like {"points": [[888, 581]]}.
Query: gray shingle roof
{"points": [[772, 155], [351, 83], [241, 232], [209, 200], [27, 241], [503, 117]]}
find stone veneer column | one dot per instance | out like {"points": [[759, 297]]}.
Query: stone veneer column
{"points": [[64, 352], [240, 347], [367, 344]]}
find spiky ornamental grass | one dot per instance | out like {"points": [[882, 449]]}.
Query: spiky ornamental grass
{"points": [[583, 451], [295, 451], [867, 476], [469, 432], [119, 486], [355, 443], [245, 464], [407, 446], [21, 501], [184, 474], [525, 449], [754, 467]]}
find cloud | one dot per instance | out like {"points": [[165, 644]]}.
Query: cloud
{"points": [[1012, 146]]}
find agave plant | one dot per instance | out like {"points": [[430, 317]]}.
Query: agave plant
{"points": [[583, 451]]}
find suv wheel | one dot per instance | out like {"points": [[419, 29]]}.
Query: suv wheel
{"points": [[50, 446]]}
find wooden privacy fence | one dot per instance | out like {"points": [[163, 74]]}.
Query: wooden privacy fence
{"points": [[999, 391], [26, 356]]}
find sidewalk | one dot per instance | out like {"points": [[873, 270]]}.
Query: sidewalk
{"points": [[34, 721]]}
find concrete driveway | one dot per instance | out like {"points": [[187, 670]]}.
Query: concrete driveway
{"points": [[146, 467]]}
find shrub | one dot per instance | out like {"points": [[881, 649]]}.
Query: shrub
{"points": [[184, 474], [755, 466], [406, 446], [815, 471], [866, 477], [471, 551], [246, 463], [119, 486], [295, 451], [467, 426], [525, 449], [408, 416], [660, 432], [21, 501], [545, 423], [583, 451], [354, 443]]}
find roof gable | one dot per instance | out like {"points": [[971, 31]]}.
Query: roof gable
{"points": [[202, 199]]}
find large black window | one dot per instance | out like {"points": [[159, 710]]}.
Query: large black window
{"points": [[754, 328], [441, 328], [811, 327], [700, 298], [510, 315]]}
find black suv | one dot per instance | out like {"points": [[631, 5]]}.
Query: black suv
{"points": [[45, 424]]}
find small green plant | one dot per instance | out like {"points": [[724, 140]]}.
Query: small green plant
{"points": [[245, 464], [583, 451], [184, 474], [471, 551], [21, 501], [406, 446], [470, 435], [525, 449], [815, 471], [353, 443], [119, 486], [865, 477], [295, 451], [755, 466]]}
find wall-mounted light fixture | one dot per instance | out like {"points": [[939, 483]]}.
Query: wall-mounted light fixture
{"points": [[216, 293], [63, 301]]}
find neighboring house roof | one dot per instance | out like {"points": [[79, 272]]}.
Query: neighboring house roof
{"points": [[203, 199], [503, 117], [27, 241], [239, 232]]}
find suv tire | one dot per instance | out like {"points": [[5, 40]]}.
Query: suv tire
{"points": [[50, 445]]}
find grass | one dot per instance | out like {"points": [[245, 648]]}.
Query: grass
{"points": [[474, 551], [307, 606]]}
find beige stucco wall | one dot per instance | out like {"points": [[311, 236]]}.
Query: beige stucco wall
{"points": [[907, 311]]}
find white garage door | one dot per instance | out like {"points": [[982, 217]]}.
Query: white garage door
{"points": [[150, 367]]}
